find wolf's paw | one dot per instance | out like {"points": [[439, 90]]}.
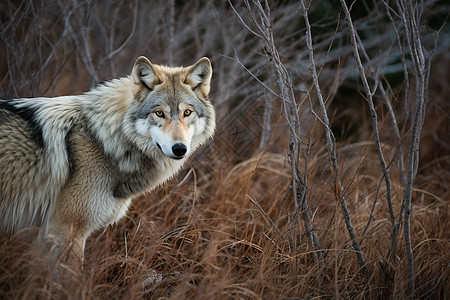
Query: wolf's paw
{"points": [[151, 277]]}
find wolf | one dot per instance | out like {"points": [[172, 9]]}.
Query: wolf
{"points": [[71, 165]]}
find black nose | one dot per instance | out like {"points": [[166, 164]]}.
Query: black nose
{"points": [[179, 149]]}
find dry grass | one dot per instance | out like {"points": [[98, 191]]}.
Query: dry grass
{"points": [[226, 226]]}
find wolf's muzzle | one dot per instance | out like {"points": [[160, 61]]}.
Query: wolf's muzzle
{"points": [[179, 149]]}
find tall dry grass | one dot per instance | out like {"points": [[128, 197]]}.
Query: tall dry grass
{"points": [[228, 226]]}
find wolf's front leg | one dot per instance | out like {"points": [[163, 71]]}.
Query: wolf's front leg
{"points": [[64, 246]]}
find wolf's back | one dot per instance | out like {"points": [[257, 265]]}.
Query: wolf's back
{"points": [[27, 186]]}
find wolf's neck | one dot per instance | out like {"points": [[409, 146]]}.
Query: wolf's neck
{"points": [[104, 109]]}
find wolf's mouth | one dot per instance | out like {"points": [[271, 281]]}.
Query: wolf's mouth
{"points": [[173, 157]]}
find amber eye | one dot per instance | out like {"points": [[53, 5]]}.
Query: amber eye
{"points": [[187, 112], [159, 113]]}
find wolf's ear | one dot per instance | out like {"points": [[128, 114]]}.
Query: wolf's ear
{"points": [[144, 73], [199, 75]]}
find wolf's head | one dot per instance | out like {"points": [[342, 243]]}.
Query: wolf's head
{"points": [[171, 106]]}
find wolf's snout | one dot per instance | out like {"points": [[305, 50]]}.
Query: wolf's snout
{"points": [[179, 149]]}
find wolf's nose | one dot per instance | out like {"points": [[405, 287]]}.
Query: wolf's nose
{"points": [[179, 149]]}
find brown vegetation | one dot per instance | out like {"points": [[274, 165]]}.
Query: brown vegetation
{"points": [[234, 223]]}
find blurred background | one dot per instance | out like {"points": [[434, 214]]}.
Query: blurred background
{"points": [[228, 225]]}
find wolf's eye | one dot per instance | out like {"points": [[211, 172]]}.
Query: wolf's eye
{"points": [[187, 112], [159, 113]]}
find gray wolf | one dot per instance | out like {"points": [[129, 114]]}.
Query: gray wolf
{"points": [[71, 165]]}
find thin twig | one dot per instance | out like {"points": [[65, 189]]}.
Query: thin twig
{"points": [[331, 146], [374, 116], [171, 32], [371, 212], [262, 21], [250, 72], [408, 14]]}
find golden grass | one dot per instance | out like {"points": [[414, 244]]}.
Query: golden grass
{"points": [[235, 236]]}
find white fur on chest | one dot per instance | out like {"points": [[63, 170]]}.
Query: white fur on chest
{"points": [[163, 170]]}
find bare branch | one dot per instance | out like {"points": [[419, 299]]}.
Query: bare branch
{"points": [[261, 20], [373, 112], [171, 31], [408, 13], [253, 75], [331, 146]]}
